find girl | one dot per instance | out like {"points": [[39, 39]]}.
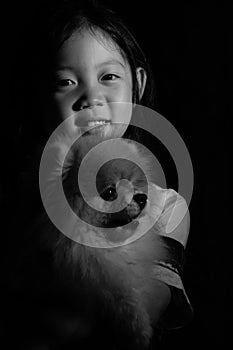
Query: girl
{"points": [[98, 71]]}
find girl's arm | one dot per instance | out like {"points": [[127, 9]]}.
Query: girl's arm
{"points": [[174, 222]]}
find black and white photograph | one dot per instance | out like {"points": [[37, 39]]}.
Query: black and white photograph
{"points": [[115, 175]]}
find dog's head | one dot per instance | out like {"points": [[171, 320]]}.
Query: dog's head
{"points": [[122, 182]]}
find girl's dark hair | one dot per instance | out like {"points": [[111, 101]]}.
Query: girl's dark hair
{"points": [[74, 15]]}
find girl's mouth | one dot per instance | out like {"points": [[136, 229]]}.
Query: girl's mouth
{"points": [[94, 123], [97, 126]]}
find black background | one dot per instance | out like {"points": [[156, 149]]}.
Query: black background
{"points": [[188, 46]]}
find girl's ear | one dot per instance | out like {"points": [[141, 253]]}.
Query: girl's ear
{"points": [[141, 79]]}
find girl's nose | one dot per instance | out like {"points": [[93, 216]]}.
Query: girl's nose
{"points": [[89, 98]]}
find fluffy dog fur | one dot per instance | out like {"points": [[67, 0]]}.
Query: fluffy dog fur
{"points": [[111, 287]]}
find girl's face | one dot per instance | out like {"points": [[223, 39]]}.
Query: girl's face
{"points": [[91, 75]]}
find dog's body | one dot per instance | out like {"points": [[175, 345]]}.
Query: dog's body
{"points": [[110, 289]]}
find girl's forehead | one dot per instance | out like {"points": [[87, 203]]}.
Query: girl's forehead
{"points": [[95, 43], [102, 37]]}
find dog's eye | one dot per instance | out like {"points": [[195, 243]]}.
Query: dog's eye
{"points": [[110, 194]]}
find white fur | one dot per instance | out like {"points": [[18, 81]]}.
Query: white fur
{"points": [[123, 276]]}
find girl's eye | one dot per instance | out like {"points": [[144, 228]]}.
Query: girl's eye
{"points": [[110, 77], [64, 82]]}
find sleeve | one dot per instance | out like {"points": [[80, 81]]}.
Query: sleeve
{"points": [[174, 224], [175, 218]]}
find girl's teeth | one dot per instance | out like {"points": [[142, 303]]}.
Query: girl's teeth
{"points": [[97, 122]]}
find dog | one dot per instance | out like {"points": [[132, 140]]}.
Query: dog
{"points": [[103, 276]]}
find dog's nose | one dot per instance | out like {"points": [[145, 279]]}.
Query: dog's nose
{"points": [[140, 199]]}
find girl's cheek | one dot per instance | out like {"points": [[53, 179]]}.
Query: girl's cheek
{"points": [[63, 106], [122, 93], [121, 112]]}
